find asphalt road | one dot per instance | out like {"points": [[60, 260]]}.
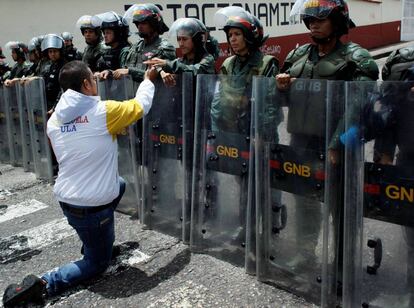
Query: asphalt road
{"points": [[153, 270]]}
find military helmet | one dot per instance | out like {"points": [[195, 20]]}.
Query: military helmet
{"points": [[110, 20], [261, 38], [146, 12], [85, 22], [115, 22], [1, 54], [187, 27], [35, 43], [67, 36], [52, 41], [20, 48], [336, 10], [211, 44], [236, 17]]}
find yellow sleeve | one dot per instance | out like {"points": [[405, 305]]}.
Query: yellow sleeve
{"points": [[121, 114]]}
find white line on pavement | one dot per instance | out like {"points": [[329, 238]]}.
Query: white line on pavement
{"points": [[35, 238], [21, 209]]}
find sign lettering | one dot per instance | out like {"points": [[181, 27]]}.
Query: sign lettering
{"points": [[298, 169]]}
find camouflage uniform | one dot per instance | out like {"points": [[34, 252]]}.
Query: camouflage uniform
{"points": [[348, 62], [92, 54], [19, 70], [72, 53], [139, 52], [397, 63], [231, 109]]}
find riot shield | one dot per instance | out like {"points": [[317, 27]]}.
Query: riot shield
{"points": [[22, 104], [123, 89], [379, 212], [164, 206], [4, 136], [298, 195], [37, 115], [12, 96], [221, 161]]}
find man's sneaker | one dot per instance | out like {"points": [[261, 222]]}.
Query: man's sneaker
{"points": [[31, 290]]}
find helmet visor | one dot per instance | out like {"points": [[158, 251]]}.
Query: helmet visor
{"points": [[87, 22], [184, 27], [52, 41], [222, 16], [319, 9]]}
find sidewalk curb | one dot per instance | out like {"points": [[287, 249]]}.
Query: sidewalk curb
{"points": [[385, 51]]}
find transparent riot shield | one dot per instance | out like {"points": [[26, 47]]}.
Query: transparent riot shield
{"points": [[22, 105], [298, 186], [164, 206], [4, 136], [221, 167], [188, 113], [123, 89], [37, 115], [379, 212], [12, 96]]}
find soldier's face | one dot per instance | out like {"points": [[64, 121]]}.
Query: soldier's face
{"points": [[54, 54], [33, 56], [90, 36], [320, 28], [109, 36], [68, 43], [14, 55], [144, 29], [186, 44], [237, 41]]}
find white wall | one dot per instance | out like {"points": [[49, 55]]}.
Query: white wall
{"points": [[22, 19]]}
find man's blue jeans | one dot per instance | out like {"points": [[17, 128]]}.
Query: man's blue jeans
{"points": [[97, 233]]}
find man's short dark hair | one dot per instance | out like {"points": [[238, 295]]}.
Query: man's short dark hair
{"points": [[73, 74]]}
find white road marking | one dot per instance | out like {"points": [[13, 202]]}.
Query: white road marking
{"points": [[21, 209], [35, 238]]}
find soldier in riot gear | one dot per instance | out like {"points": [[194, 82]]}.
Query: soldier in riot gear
{"points": [[190, 33], [212, 45], [4, 70], [397, 63], [115, 29], [40, 61], [327, 58], [231, 108], [399, 133], [71, 52], [19, 54], [93, 38], [34, 56], [327, 21], [4, 67], [53, 46], [2, 56], [150, 24], [44, 63], [175, 115], [245, 36]]}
